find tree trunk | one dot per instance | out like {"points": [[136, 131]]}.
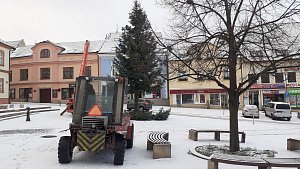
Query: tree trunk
{"points": [[136, 101], [234, 127]]}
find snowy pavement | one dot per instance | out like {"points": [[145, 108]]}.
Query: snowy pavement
{"points": [[23, 146]]}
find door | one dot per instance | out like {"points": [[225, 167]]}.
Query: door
{"points": [[45, 95]]}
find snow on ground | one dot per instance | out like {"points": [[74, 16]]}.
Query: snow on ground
{"points": [[29, 150]]}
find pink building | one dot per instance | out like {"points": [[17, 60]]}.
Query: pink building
{"points": [[46, 71]]}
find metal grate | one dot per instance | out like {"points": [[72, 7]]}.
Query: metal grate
{"points": [[88, 121]]}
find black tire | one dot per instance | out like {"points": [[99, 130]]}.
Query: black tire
{"points": [[129, 142], [266, 114], [288, 119], [273, 117], [119, 150], [65, 152]]}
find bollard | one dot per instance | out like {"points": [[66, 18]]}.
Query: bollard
{"points": [[28, 113]]}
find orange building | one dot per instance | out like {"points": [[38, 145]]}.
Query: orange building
{"points": [[46, 72]]}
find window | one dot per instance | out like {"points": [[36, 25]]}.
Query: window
{"points": [[251, 76], [45, 73], [23, 74], [88, 70], [200, 98], [214, 99], [279, 77], [182, 76], [45, 53], [291, 77], [187, 98], [12, 94], [1, 85], [68, 73], [66, 93], [265, 78], [226, 72], [25, 93], [1, 57]]}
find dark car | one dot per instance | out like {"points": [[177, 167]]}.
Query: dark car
{"points": [[143, 104]]}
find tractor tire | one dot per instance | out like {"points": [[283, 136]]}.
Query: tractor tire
{"points": [[119, 150], [129, 142], [65, 152]]}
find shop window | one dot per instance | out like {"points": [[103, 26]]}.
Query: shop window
{"points": [[214, 99], [291, 77], [187, 98], [45, 53], [68, 73], [1, 57], [25, 93], [279, 77], [23, 74], [12, 93], [265, 78], [1, 85], [200, 98], [45, 73], [54, 93], [67, 93]]}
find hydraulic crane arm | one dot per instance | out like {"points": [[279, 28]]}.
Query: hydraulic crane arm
{"points": [[83, 63]]}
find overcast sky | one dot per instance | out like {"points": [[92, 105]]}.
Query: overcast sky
{"points": [[71, 20]]}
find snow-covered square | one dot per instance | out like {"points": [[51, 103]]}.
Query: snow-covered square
{"points": [[24, 147]]}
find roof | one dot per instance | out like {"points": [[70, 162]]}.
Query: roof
{"points": [[6, 44], [68, 48], [17, 43]]}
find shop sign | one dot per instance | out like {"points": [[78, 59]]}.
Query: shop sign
{"points": [[294, 92], [197, 91], [292, 85], [296, 69], [71, 85], [271, 92], [268, 86]]}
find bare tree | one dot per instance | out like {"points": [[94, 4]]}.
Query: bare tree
{"points": [[218, 35]]}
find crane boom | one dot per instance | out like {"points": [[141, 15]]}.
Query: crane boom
{"points": [[83, 63]]}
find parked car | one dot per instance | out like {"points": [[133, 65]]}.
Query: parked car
{"points": [[143, 104], [278, 110], [250, 111]]}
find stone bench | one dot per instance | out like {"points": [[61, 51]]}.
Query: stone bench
{"points": [[193, 134], [158, 142], [293, 144], [261, 163]]}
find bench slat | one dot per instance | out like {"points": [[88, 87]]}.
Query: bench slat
{"points": [[283, 162], [238, 160]]}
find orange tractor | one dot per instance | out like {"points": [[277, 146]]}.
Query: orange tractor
{"points": [[98, 120]]}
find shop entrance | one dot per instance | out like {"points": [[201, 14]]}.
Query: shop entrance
{"points": [[253, 98]]}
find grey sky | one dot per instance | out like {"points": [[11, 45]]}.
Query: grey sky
{"points": [[71, 20]]}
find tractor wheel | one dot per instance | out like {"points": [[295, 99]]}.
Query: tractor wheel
{"points": [[65, 152], [130, 141], [119, 150]]}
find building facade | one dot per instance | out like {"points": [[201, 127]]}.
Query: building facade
{"points": [[5, 52], [46, 72]]}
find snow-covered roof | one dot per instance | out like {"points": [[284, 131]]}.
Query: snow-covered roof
{"points": [[17, 43], [111, 41], [68, 48], [6, 43]]}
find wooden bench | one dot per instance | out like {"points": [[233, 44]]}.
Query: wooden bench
{"points": [[158, 142], [193, 134], [293, 144], [261, 163]]}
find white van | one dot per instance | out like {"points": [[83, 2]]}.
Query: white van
{"points": [[278, 110]]}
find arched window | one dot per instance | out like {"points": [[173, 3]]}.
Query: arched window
{"points": [[45, 53], [1, 57]]}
